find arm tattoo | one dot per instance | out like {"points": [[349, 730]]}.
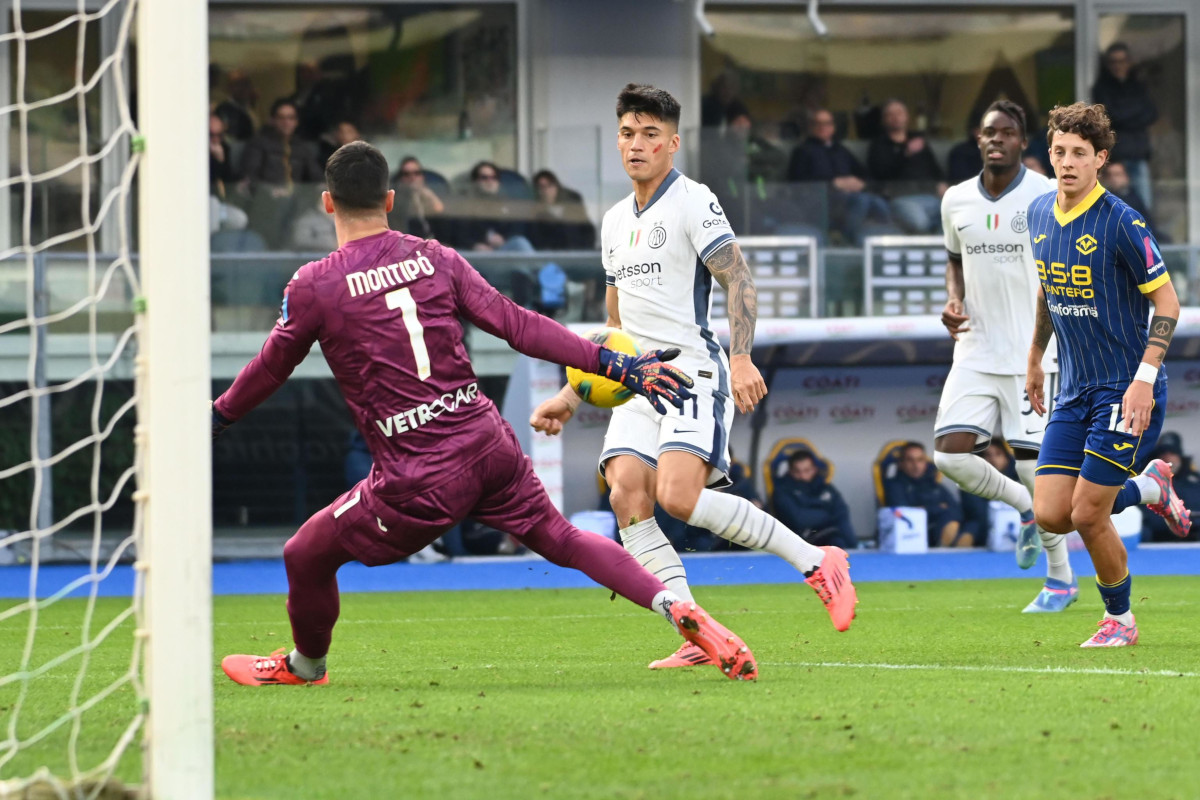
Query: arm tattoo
{"points": [[1161, 331], [731, 271], [1042, 327]]}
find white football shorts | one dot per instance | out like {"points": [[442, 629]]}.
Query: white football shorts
{"points": [[979, 402], [700, 427]]}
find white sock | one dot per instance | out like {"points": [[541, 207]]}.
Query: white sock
{"points": [[1058, 564], [646, 542], [1149, 489], [302, 666], [662, 603], [1124, 619], [741, 522], [977, 476]]}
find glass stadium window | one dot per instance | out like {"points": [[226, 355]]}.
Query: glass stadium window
{"points": [[437, 81], [790, 118], [1141, 77]]}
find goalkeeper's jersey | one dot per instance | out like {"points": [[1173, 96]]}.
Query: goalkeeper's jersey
{"points": [[386, 309], [655, 258]]}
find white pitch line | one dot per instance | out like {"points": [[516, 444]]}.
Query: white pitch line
{"points": [[1131, 673]]}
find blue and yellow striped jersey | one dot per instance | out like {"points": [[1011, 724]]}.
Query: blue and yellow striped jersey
{"points": [[1096, 263]]}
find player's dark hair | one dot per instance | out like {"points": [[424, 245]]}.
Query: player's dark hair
{"points": [[356, 175], [641, 98], [1009, 109], [1088, 121]]}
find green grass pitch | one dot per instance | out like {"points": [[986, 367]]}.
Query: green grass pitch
{"points": [[939, 690]]}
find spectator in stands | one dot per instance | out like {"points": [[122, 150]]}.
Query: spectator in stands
{"points": [[317, 100], [314, 231], [902, 162], [840, 179], [1127, 102], [344, 132], [222, 174], [560, 219], [416, 204], [976, 509], [237, 111], [278, 159], [714, 105], [490, 221], [746, 171], [807, 503], [274, 163], [226, 221], [1187, 485], [1116, 180], [964, 160], [916, 485]]}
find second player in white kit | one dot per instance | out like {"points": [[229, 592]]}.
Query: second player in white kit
{"points": [[992, 286], [663, 247]]}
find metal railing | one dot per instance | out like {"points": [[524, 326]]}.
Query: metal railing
{"points": [[795, 276]]}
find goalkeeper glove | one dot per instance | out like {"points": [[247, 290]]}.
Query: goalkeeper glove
{"points": [[648, 375], [219, 422]]}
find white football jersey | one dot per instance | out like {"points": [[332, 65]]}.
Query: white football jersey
{"points": [[655, 258], [991, 236]]}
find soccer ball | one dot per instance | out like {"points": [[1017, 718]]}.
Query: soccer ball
{"points": [[600, 391]]}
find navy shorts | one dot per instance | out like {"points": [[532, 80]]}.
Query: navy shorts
{"points": [[1083, 437]]}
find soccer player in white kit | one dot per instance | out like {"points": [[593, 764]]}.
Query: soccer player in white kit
{"points": [[992, 287], [662, 247]]}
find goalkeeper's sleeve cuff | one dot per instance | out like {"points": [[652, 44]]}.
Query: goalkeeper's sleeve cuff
{"points": [[219, 422]]}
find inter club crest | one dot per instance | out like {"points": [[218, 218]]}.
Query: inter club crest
{"points": [[1019, 223]]}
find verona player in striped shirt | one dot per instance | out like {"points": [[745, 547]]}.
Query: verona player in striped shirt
{"points": [[1100, 270]]}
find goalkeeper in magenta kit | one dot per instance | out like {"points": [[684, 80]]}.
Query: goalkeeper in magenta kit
{"points": [[385, 308]]}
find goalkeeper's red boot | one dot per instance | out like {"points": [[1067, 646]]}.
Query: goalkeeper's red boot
{"points": [[269, 670], [688, 655], [831, 582], [727, 651]]}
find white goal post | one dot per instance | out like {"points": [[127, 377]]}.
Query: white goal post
{"points": [[99, 655], [174, 419]]}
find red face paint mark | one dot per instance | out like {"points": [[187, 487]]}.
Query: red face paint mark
{"points": [[658, 148]]}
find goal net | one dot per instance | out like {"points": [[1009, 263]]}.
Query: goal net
{"points": [[102, 591]]}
